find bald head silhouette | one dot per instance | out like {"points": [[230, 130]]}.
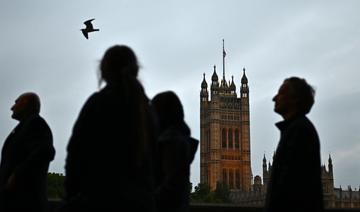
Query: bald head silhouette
{"points": [[26, 105]]}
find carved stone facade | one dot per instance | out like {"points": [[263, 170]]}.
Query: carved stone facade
{"points": [[225, 133], [333, 197]]}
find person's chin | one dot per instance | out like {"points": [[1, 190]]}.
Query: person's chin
{"points": [[14, 116], [276, 110]]}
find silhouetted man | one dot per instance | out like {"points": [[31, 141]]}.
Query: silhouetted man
{"points": [[295, 183], [25, 158]]}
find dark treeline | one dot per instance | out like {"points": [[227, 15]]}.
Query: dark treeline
{"points": [[55, 188], [200, 194]]}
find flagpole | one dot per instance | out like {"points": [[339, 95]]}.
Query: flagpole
{"points": [[223, 61]]}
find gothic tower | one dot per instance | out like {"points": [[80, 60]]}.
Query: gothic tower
{"points": [[225, 133], [327, 178]]}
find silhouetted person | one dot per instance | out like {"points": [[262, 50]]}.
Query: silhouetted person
{"points": [[295, 183], [176, 151], [25, 158], [108, 165]]}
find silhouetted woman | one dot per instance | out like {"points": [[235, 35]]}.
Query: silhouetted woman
{"points": [[176, 151], [108, 165]]}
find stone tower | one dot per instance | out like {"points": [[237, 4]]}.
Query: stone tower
{"points": [[225, 133], [327, 178]]}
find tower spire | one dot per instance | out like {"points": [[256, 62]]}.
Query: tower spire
{"points": [[330, 165]]}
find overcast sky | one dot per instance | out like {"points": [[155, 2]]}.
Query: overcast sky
{"points": [[43, 50]]}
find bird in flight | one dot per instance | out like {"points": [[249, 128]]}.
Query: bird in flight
{"points": [[89, 28]]}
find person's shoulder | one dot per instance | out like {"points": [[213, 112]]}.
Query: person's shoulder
{"points": [[303, 123], [301, 120], [94, 97], [92, 100], [107, 95], [35, 120], [307, 121], [37, 124]]}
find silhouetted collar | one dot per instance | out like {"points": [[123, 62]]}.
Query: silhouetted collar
{"points": [[282, 125]]}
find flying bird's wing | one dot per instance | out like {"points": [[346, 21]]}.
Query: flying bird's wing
{"points": [[85, 33], [88, 21], [89, 24]]}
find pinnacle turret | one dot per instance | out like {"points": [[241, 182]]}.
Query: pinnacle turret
{"points": [[214, 76], [244, 79], [204, 94], [232, 85], [244, 90], [204, 83]]}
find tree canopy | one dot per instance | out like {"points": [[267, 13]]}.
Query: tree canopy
{"points": [[202, 193]]}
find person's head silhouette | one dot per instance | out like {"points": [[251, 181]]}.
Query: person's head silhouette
{"points": [[168, 108], [26, 105], [119, 61], [295, 97]]}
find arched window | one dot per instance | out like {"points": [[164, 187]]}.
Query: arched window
{"points": [[225, 180], [230, 139], [237, 179], [231, 179], [208, 141], [237, 139], [209, 176], [223, 138]]}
